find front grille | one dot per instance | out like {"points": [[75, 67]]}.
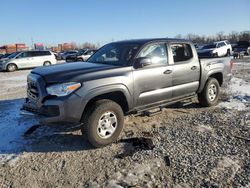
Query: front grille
{"points": [[32, 90]]}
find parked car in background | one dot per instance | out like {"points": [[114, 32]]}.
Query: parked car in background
{"points": [[27, 59], [241, 49], [63, 55], [80, 56], [126, 77], [216, 49]]}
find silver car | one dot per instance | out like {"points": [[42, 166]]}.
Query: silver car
{"points": [[27, 59]]}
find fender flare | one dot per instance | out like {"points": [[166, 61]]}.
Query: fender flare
{"points": [[204, 81], [108, 89]]}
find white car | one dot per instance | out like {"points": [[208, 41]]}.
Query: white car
{"points": [[27, 59], [216, 49], [80, 56]]}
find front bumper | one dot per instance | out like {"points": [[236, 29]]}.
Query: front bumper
{"points": [[56, 110], [2, 67]]}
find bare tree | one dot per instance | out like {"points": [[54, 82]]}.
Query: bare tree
{"points": [[233, 37]]}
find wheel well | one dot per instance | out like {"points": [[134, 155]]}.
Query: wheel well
{"points": [[116, 96], [12, 64], [218, 77]]}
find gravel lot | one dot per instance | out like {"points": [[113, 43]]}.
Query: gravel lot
{"points": [[184, 146]]}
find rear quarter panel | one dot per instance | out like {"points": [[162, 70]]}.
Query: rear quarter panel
{"points": [[212, 66]]}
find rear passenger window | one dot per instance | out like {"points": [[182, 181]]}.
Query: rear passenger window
{"points": [[181, 52], [41, 53], [156, 52], [223, 44]]}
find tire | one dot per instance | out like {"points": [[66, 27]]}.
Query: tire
{"points": [[210, 93], [11, 67], [80, 59], [228, 53], [47, 63], [94, 119]]}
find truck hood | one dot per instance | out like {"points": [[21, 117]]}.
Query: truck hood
{"points": [[67, 71]]}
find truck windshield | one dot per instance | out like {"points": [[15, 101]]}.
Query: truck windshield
{"points": [[119, 54], [209, 46]]}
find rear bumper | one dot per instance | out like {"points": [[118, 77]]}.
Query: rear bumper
{"points": [[57, 110]]}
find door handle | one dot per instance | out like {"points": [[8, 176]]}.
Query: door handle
{"points": [[193, 67], [168, 72]]}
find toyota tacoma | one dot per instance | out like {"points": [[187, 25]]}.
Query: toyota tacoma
{"points": [[121, 78]]}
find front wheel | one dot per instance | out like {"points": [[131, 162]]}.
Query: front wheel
{"points": [[102, 122], [210, 93], [11, 67]]}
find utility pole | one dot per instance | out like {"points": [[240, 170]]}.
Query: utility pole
{"points": [[32, 43]]}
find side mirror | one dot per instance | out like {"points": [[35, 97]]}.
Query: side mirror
{"points": [[142, 62]]}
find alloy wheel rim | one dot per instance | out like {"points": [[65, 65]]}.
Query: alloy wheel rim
{"points": [[107, 125], [212, 92], [11, 67]]}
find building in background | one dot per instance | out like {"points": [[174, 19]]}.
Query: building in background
{"points": [[68, 46], [39, 46], [10, 48]]}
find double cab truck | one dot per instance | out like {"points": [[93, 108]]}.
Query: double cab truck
{"points": [[121, 78]]}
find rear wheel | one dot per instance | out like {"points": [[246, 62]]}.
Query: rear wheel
{"points": [[210, 94], [102, 122], [228, 53], [79, 59], [47, 63], [11, 67]]}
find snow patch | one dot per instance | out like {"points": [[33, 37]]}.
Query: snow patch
{"points": [[12, 126], [239, 90]]}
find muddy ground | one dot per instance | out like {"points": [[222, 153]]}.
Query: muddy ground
{"points": [[184, 146]]}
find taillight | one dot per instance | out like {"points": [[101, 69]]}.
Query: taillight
{"points": [[231, 65]]}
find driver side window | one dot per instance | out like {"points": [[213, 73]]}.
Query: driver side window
{"points": [[156, 52], [24, 54]]}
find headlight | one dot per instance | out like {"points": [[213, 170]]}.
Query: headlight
{"points": [[63, 89]]}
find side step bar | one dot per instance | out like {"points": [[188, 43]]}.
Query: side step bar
{"points": [[153, 112]]}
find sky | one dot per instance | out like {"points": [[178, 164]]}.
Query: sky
{"points": [[102, 21]]}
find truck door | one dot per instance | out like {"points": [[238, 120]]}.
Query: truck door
{"points": [[186, 69], [152, 83]]}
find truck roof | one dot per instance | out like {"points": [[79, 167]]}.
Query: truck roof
{"points": [[143, 41]]}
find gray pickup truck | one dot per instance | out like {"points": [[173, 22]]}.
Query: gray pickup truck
{"points": [[134, 76]]}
